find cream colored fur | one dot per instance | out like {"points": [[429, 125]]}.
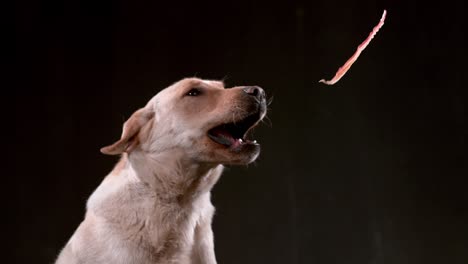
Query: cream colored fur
{"points": [[154, 206]]}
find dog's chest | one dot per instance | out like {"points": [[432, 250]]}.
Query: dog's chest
{"points": [[168, 235], [151, 230], [172, 233]]}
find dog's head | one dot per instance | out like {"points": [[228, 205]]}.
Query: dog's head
{"points": [[207, 122]]}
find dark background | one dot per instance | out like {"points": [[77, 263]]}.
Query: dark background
{"points": [[370, 170]]}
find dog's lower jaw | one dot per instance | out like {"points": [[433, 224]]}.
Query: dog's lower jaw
{"points": [[244, 156], [248, 156], [226, 155]]}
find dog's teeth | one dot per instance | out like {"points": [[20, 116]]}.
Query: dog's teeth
{"points": [[240, 140]]}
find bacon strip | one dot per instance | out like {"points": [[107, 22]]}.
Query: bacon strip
{"points": [[343, 69]]}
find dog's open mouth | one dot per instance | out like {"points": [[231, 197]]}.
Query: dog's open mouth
{"points": [[234, 135]]}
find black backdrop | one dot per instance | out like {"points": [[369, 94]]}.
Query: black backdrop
{"points": [[371, 170]]}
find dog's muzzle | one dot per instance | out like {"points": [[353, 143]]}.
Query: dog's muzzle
{"points": [[234, 135]]}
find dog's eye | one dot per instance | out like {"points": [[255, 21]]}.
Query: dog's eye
{"points": [[194, 92]]}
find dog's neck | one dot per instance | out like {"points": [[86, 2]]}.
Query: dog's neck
{"points": [[172, 176]]}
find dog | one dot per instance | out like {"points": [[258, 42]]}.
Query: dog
{"points": [[154, 206]]}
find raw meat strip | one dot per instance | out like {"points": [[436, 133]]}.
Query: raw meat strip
{"points": [[343, 69]]}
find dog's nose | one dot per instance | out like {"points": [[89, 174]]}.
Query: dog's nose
{"points": [[254, 91]]}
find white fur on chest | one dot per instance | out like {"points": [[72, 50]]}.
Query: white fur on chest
{"points": [[127, 223]]}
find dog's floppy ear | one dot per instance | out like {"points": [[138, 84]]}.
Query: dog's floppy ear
{"points": [[131, 129]]}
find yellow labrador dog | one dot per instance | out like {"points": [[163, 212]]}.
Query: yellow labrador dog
{"points": [[154, 206]]}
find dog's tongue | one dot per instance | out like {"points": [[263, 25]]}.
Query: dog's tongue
{"points": [[222, 136]]}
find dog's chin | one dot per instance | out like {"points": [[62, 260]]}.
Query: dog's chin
{"points": [[245, 158], [243, 155]]}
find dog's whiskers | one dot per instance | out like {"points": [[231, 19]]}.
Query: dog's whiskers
{"points": [[267, 121], [224, 78], [270, 100]]}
